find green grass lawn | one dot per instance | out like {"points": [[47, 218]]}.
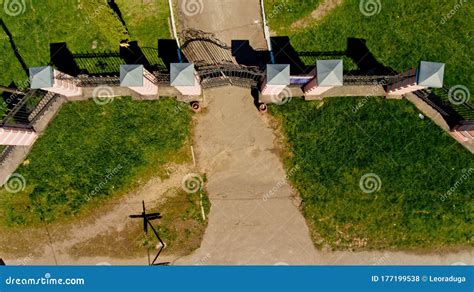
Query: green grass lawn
{"points": [[402, 34], [91, 152], [334, 144], [147, 21], [81, 24], [282, 13]]}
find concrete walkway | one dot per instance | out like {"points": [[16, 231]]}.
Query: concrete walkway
{"points": [[254, 218], [227, 19]]}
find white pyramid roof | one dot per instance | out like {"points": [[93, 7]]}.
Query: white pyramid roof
{"points": [[329, 72], [278, 74], [131, 75], [182, 74], [41, 77], [430, 74]]}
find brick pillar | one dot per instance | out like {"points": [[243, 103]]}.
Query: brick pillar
{"points": [[428, 74], [184, 78], [52, 80], [327, 74], [195, 89], [138, 79]]}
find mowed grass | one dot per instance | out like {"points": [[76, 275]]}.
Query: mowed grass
{"points": [[91, 152], [424, 198], [399, 36], [83, 25], [282, 13], [147, 21]]}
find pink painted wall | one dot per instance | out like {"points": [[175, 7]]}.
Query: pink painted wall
{"points": [[64, 87], [191, 90], [148, 88], [17, 137], [272, 89]]}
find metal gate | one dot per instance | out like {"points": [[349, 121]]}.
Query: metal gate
{"points": [[230, 74]]}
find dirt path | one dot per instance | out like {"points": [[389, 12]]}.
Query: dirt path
{"points": [[114, 216], [253, 218], [316, 15]]}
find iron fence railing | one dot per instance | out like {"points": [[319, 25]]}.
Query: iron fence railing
{"points": [[5, 154]]}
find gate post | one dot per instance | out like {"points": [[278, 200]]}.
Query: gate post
{"points": [[428, 74], [277, 77], [328, 74], [138, 79], [184, 78], [46, 78]]}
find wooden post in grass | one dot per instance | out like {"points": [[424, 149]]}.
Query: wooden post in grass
{"points": [[428, 74], [52, 80], [328, 74]]}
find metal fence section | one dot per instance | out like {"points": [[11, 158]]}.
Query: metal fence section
{"points": [[5, 153], [21, 107], [230, 74]]}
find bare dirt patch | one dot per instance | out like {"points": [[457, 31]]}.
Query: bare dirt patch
{"points": [[319, 13]]}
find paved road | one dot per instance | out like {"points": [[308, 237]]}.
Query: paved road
{"points": [[227, 19]]}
